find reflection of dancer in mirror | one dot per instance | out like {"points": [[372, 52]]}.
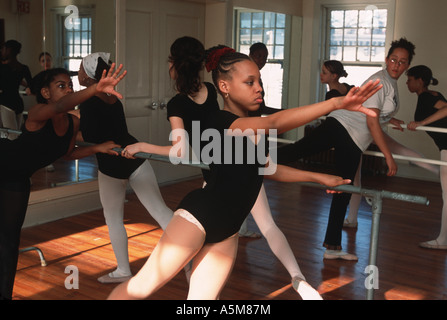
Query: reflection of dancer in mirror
{"points": [[48, 134], [431, 110], [205, 226], [102, 119]]}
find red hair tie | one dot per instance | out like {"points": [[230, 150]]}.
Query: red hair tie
{"points": [[214, 58]]}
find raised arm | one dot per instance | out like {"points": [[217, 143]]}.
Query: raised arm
{"points": [[107, 85], [292, 118]]}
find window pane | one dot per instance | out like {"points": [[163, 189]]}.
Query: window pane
{"points": [[336, 53], [350, 37], [269, 20], [245, 49], [378, 54], [380, 18], [280, 36], [269, 36], [245, 36], [337, 18], [256, 35], [363, 54], [279, 53], [258, 20], [364, 37], [280, 20], [379, 37], [365, 19], [349, 53], [245, 20], [351, 18], [336, 37]]}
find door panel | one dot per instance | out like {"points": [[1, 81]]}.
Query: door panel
{"points": [[150, 29]]}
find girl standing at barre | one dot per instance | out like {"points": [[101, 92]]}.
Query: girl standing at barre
{"points": [[48, 134], [205, 226], [102, 119], [431, 110]]}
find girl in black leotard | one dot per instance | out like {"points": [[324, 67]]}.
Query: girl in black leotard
{"points": [[48, 134], [431, 110], [206, 224], [194, 102]]}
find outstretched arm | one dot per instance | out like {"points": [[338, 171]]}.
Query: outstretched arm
{"points": [[177, 149], [292, 118], [438, 115], [107, 85], [289, 174]]}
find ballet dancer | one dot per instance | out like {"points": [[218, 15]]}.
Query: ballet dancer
{"points": [[331, 72], [431, 110], [48, 134], [102, 119], [350, 133], [205, 226], [194, 103]]}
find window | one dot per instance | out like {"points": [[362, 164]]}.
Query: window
{"points": [[269, 28], [76, 39], [357, 37]]}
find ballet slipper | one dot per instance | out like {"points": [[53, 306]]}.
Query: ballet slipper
{"points": [[338, 254], [433, 244], [305, 290], [108, 278]]}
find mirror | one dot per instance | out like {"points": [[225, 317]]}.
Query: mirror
{"points": [[67, 30]]}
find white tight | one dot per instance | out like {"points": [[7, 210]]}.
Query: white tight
{"points": [[275, 237], [442, 238], [182, 241], [112, 193], [395, 148]]}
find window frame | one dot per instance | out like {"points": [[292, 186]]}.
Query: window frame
{"points": [[327, 8], [271, 60]]}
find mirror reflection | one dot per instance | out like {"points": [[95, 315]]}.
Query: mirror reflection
{"points": [[38, 35]]}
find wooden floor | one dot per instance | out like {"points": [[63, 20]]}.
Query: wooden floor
{"points": [[406, 272]]}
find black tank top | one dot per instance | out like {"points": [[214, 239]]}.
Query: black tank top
{"points": [[32, 151]]}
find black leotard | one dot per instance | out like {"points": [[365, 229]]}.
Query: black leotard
{"points": [[32, 151], [231, 190], [102, 122]]}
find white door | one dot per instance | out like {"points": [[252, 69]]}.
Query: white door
{"points": [[146, 30]]}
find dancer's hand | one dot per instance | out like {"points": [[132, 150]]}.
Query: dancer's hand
{"points": [[110, 80], [397, 124], [107, 148], [357, 96], [413, 125], [332, 181], [132, 149]]}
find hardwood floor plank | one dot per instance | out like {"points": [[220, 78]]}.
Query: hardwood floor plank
{"points": [[406, 272]]}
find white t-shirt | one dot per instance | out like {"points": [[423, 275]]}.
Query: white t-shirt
{"points": [[386, 100]]}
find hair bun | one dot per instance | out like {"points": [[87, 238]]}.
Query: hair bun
{"points": [[214, 56]]}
